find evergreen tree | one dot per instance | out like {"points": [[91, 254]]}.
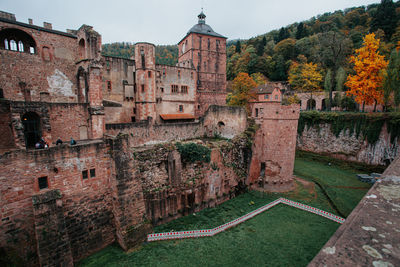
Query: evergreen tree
{"points": [[238, 47], [385, 18], [300, 31]]}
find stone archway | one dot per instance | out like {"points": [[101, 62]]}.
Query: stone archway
{"points": [[311, 104], [32, 129], [323, 104]]}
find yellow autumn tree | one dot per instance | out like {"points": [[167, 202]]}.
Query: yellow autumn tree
{"points": [[366, 84], [305, 77], [242, 91]]}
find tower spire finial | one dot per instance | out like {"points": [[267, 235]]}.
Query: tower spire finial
{"points": [[202, 17]]}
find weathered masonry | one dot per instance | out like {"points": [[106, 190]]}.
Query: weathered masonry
{"points": [[151, 143]]}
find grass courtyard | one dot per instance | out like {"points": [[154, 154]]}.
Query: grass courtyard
{"points": [[281, 236]]}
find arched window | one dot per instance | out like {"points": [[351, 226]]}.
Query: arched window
{"points": [[82, 49], [17, 40], [13, 45], [20, 46]]}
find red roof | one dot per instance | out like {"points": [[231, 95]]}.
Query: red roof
{"points": [[179, 116]]}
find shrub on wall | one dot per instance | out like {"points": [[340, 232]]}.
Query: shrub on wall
{"points": [[368, 125], [192, 152]]}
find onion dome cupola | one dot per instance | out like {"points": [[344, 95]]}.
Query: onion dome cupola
{"points": [[202, 28]]}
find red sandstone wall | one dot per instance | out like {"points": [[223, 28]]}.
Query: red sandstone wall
{"points": [[6, 137], [86, 202], [68, 120], [53, 52], [274, 145]]}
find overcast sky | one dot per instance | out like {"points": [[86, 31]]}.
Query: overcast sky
{"points": [[167, 21]]}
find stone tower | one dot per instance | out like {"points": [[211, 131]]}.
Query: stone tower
{"points": [[205, 50], [145, 81]]}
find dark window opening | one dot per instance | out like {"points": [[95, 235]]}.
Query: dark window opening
{"points": [[184, 89], [32, 130], [134, 110], [179, 74], [149, 74], [43, 183], [142, 88], [221, 123], [85, 174], [256, 112], [180, 108], [133, 119], [198, 106], [262, 169], [163, 73], [208, 44], [1, 93], [17, 40], [92, 173], [142, 56], [109, 85], [162, 90], [174, 88]]}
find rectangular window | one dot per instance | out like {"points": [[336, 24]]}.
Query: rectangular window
{"points": [[163, 73], [191, 75], [92, 173], [43, 183], [109, 85], [174, 88], [184, 89], [256, 112], [142, 88], [276, 97], [162, 90], [85, 174], [266, 97], [149, 74], [1, 93], [180, 108], [179, 74]]}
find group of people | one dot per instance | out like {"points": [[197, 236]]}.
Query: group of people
{"points": [[41, 144]]}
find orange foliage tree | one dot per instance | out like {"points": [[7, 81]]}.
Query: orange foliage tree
{"points": [[366, 84], [242, 91]]}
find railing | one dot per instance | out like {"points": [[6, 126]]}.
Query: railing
{"points": [[216, 230]]}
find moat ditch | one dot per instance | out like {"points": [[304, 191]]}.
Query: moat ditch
{"points": [[279, 236]]}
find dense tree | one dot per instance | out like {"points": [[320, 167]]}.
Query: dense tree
{"points": [[334, 48], [259, 78], [366, 83], [391, 85], [260, 46], [286, 48], [283, 34], [385, 18], [242, 91], [238, 47], [305, 77], [301, 31]]}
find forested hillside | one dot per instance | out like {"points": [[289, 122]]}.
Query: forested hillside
{"points": [[165, 54], [326, 40]]}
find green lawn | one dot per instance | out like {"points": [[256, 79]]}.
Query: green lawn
{"points": [[281, 236]]}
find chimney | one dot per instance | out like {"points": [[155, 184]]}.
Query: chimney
{"points": [[30, 21], [47, 25]]}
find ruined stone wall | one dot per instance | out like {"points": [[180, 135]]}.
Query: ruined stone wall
{"points": [[7, 136], [86, 202], [348, 146], [174, 187], [206, 99], [47, 75], [73, 115], [274, 147], [119, 87], [224, 121], [232, 121], [168, 102]]}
